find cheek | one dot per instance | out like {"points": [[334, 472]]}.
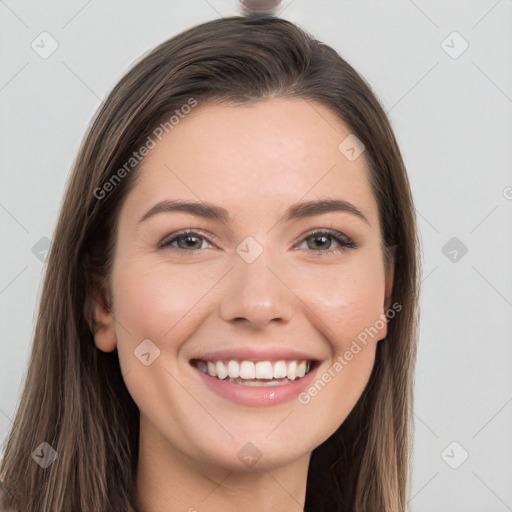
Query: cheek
{"points": [[158, 299], [162, 305], [348, 309], [158, 305], [348, 303]]}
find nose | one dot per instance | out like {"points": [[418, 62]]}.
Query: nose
{"points": [[257, 294]]}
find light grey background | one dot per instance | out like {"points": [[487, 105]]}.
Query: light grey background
{"points": [[453, 120]]}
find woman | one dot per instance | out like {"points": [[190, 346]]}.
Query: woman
{"points": [[229, 313]]}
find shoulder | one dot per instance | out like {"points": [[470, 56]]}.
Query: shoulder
{"points": [[7, 501]]}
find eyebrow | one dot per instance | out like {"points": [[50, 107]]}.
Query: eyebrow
{"points": [[217, 213]]}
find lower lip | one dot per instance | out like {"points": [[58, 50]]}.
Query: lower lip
{"points": [[257, 395]]}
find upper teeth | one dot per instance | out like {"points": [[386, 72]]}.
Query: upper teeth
{"points": [[255, 370]]}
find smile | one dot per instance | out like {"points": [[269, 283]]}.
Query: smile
{"points": [[254, 373]]}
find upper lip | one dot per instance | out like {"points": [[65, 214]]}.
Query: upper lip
{"points": [[255, 354]]}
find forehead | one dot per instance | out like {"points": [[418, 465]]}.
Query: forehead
{"points": [[255, 157]]}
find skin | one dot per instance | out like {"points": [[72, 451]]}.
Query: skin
{"points": [[301, 292]]}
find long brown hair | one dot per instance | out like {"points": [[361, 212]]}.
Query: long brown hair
{"points": [[74, 396]]}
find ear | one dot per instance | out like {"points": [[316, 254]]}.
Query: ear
{"points": [[389, 278], [104, 331]]}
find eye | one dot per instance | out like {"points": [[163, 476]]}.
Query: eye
{"points": [[322, 240], [187, 240], [191, 241]]}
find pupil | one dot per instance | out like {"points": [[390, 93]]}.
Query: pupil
{"points": [[324, 238], [189, 240]]}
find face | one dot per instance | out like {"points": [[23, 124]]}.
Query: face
{"points": [[256, 279]]}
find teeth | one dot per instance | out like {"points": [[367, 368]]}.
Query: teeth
{"points": [[279, 369], [203, 367], [220, 370], [301, 369], [264, 370], [292, 368], [259, 383], [233, 369], [249, 370]]}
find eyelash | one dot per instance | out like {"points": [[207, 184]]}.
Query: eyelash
{"points": [[344, 241]]}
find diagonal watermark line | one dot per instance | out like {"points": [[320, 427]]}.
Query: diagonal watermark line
{"points": [[118, 322], [484, 218], [124, 374], [81, 81], [14, 76], [485, 15], [12, 486], [14, 218], [424, 424], [491, 490], [279, 423], [76, 14], [316, 111], [503, 407], [7, 7], [410, 499], [305, 305], [196, 400], [211, 288], [285, 7], [301, 505], [216, 486], [420, 80], [12, 280], [502, 296], [491, 80], [6, 415], [424, 13], [426, 220], [214, 8], [430, 273]]}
